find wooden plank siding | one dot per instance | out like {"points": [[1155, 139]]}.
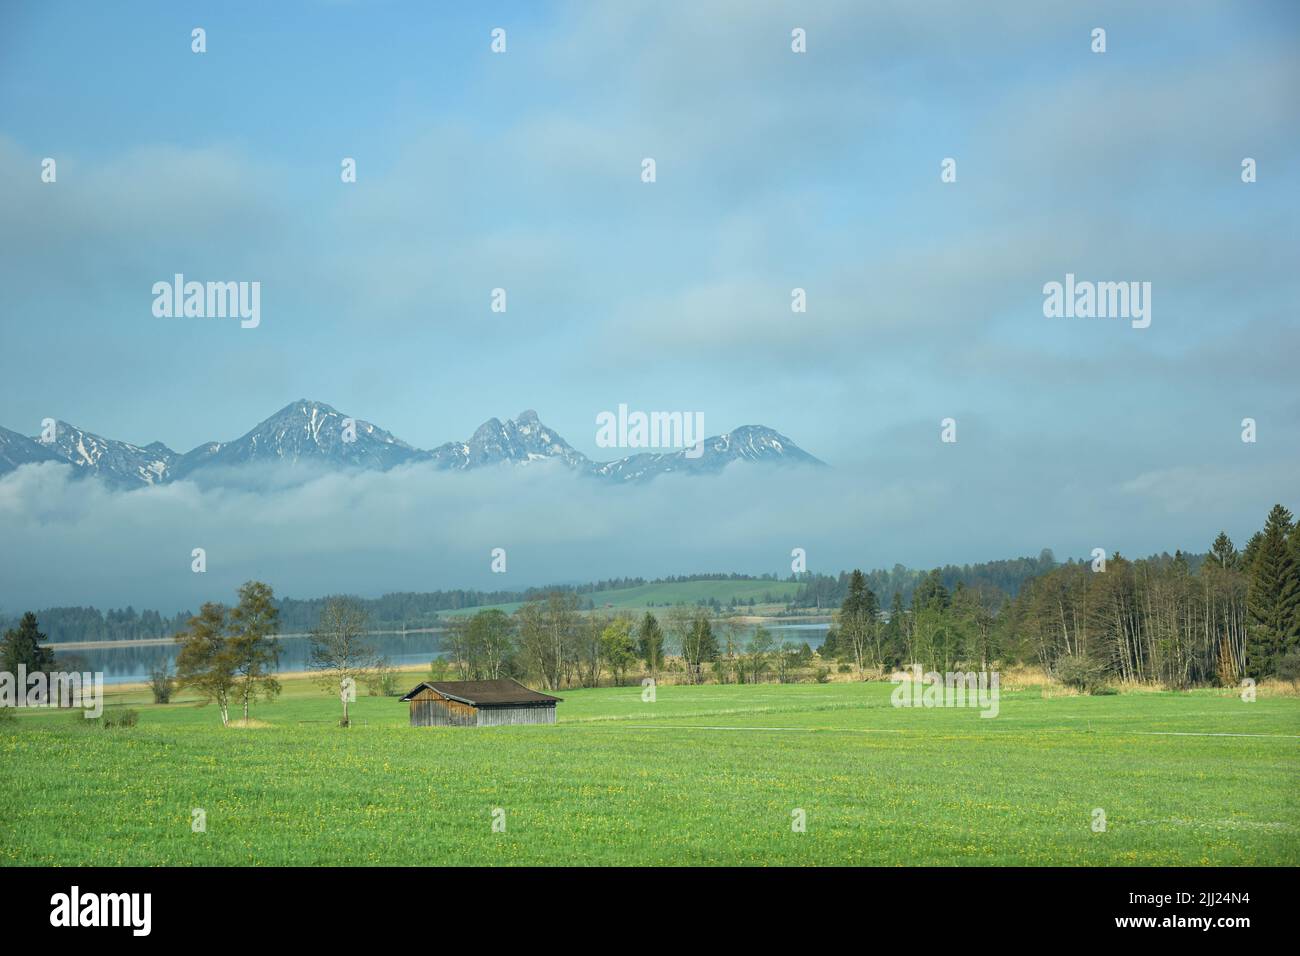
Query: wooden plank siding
{"points": [[432, 709], [525, 714], [441, 713]]}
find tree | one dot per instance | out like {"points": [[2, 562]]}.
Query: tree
{"points": [[859, 632], [22, 646], [589, 648], [1223, 553], [650, 644], [482, 645], [931, 592], [1223, 601], [788, 658], [894, 643], [830, 647], [1081, 672], [253, 625], [382, 681], [455, 638], [204, 661], [1273, 600], [758, 655], [700, 647], [1249, 552], [547, 636], [161, 683], [680, 621], [617, 647], [492, 634], [971, 627], [340, 652]]}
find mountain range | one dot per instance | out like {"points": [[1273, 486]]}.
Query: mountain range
{"points": [[308, 431]]}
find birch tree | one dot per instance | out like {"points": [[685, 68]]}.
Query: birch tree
{"points": [[340, 653], [205, 662]]}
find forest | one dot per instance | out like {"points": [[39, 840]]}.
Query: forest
{"points": [[1173, 620]]}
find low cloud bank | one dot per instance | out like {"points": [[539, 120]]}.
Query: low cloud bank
{"points": [[71, 540]]}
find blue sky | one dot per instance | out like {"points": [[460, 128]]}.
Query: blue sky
{"points": [[775, 170]]}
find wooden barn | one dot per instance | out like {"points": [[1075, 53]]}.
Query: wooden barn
{"points": [[478, 703]]}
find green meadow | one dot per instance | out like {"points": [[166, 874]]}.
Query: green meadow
{"points": [[702, 775]]}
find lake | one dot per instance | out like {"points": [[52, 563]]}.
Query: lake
{"points": [[131, 663]]}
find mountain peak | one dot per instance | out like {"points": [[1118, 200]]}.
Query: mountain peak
{"points": [[304, 431], [310, 431], [490, 428], [305, 407], [117, 462]]}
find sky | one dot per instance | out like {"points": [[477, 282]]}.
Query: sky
{"points": [[775, 170]]}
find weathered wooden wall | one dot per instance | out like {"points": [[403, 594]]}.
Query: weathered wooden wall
{"points": [[497, 716], [429, 709]]}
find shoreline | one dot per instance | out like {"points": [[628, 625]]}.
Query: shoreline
{"points": [[164, 641], [137, 686], [748, 620]]}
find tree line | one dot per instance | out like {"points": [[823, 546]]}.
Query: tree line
{"points": [[395, 610], [552, 641], [994, 578], [1168, 619]]}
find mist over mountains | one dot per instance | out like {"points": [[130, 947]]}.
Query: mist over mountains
{"points": [[308, 432]]}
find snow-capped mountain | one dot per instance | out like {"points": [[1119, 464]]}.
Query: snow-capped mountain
{"points": [[518, 440], [305, 431], [117, 462], [310, 432], [747, 443], [16, 449]]}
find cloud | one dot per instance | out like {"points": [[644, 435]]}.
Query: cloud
{"points": [[75, 541]]}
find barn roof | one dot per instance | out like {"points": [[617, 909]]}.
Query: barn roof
{"points": [[480, 693]]}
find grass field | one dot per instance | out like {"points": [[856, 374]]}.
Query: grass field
{"points": [[704, 775]]}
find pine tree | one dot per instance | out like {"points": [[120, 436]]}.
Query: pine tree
{"points": [[894, 639], [1291, 597], [858, 623], [931, 593], [1249, 553], [22, 646], [830, 645], [1223, 553], [1273, 602], [705, 642], [650, 643]]}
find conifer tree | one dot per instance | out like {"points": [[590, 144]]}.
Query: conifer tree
{"points": [[650, 643], [1273, 602], [22, 645], [1223, 553]]}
